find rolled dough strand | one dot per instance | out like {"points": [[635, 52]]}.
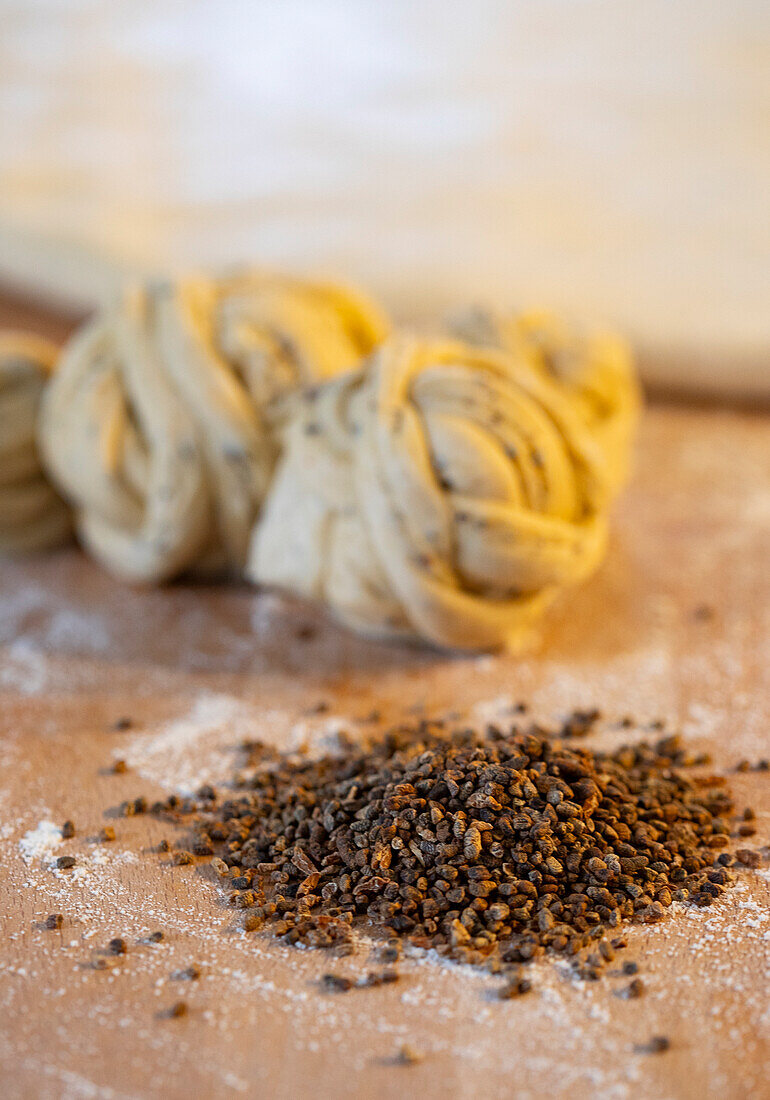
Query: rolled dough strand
{"points": [[32, 515], [594, 367]]}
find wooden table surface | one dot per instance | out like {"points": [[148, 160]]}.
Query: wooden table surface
{"points": [[676, 625]]}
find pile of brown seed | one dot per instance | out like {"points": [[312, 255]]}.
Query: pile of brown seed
{"points": [[489, 848]]}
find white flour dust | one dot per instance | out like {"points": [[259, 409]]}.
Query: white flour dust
{"points": [[41, 842]]}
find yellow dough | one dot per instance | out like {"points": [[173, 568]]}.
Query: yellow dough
{"points": [[442, 491], [158, 426], [32, 517], [595, 369]]}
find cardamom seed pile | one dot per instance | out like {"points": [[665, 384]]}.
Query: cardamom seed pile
{"points": [[489, 848]]}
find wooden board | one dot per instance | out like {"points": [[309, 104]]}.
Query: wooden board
{"points": [[197, 668]]}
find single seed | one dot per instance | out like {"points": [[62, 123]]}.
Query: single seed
{"points": [[117, 946], [335, 983], [107, 834], [64, 863], [187, 974], [119, 766], [67, 830], [409, 1055], [54, 921]]}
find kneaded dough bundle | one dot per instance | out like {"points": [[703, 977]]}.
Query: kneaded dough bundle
{"points": [[442, 491], [158, 423], [32, 516], [594, 368]]}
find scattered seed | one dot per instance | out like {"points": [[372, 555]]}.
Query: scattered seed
{"points": [[335, 983], [409, 1055], [107, 834], [117, 946], [67, 830], [514, 988], [120, 725], [378, 977], [64, 863], [187, 974], [119, 767], [54, 921]]}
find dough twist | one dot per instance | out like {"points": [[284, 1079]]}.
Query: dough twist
{"points": [[595, 369], [441, 491], [158, 424], [32, 517]]}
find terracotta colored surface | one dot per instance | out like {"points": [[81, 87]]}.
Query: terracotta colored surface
{"points": [[198, 668]]}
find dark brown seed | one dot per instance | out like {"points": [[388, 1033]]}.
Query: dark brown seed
{"points": [[64, 863], [119, 767], [748, 857], [409, 1055], [182, 858], [117, 946], [635, 988], [335, 983], [67, 830], [378, 977], [658, 1044], [155, 937], [177, 1010], [187, 974], [120, 725], [107, 834], [630, 967], [515, 988], [54, 921]]}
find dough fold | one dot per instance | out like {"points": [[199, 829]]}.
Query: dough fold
{"points": [[32, 516], [442, 491], [159, 423], [595, 369]]}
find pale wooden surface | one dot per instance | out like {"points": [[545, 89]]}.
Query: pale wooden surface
{"points": [[197, 668]]}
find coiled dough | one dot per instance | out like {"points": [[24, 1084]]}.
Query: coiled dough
{"points": [[594, 368], [158, 426], [32, 516], [442, 491]]}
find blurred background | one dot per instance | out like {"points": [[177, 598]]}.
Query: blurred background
{"points": [[610, 159]]}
